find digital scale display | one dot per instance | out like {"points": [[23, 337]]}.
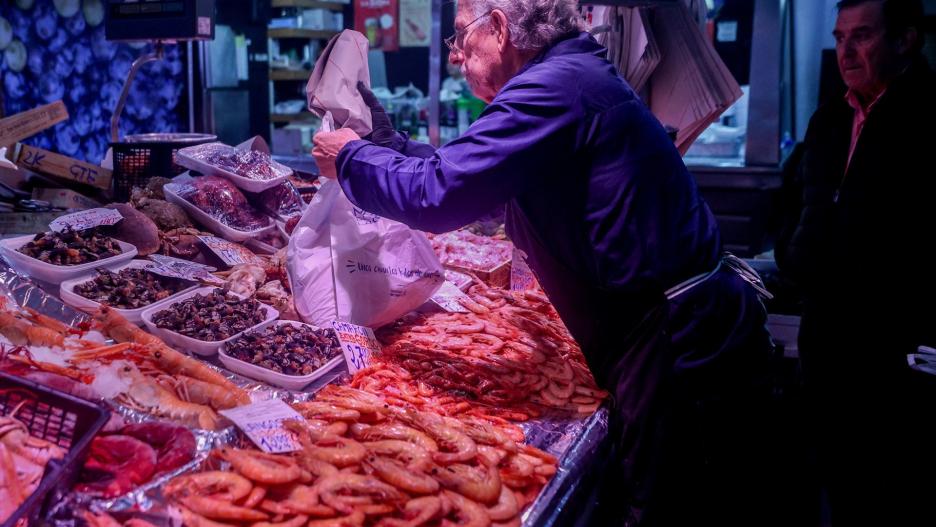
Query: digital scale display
{"points": [[160, 20]]}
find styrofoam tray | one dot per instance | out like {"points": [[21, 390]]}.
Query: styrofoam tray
{"points": [[70, 297], [192, 158], [56, 274], [199, 347], [205, 219], [290, 382]]}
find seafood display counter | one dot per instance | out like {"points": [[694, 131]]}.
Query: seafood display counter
{"points": [[485, 414]]}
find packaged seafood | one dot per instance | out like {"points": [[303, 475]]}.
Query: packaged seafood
{"points": [[122, 288], [125, 459], [487, 258], [282, 201], [112, 254], [219, 206], [203, 320], [288, 354], [250, 169]]}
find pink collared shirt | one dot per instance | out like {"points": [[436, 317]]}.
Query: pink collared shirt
{"points": [[861, 115]]}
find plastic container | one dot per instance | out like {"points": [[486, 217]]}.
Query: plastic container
{"points": [[145, 156], [213, 225], [198, 347], [56, 274], [69, 296], [194, 159], [290, 382], [65, 420]]}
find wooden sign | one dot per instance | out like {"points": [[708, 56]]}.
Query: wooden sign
{"points": [[26, 124], [64, 167]]}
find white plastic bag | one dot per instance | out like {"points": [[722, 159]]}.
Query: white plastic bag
{"points": [[349, 265]]}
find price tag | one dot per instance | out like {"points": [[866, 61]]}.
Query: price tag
{"points": [[263, 424], [521, 276], [229, 253], [85, 219], [176, 268], [447, 298], [460, 280], [357, 343]]}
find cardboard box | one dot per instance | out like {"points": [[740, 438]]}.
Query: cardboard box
{"points": [[498, 276], [62, 198]]}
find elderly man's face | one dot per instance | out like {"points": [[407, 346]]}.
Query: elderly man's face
{"points": [[866, 56], [478, 55]]}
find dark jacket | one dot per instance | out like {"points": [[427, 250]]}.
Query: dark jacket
{"points": [[597, 194], [865, 262]]}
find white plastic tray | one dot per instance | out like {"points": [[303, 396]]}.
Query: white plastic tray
{"points": [[70, 297], [192, 158], [290, 382], [199, 347], [205, 219], [56, 274]]}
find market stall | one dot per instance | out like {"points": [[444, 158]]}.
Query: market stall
{"points": [[176, 315]]}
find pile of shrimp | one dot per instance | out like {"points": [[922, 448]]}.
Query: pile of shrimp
{"points": [[365, 462], [511, 352], [157, 379]]}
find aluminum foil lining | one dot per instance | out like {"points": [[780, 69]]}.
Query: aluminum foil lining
{"points": [[25, 292], [575, 441]]}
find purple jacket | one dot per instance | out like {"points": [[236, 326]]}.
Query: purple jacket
{"points": [[597, 195]]}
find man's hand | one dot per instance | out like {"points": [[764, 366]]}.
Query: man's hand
{"points": [[327, 147], [383, 133]]}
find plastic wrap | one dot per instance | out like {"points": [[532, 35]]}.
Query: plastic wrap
{"points": [[221, 200], [466, 250], [282, 201], [249, 165]]}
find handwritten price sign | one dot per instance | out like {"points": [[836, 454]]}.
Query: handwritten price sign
{"points": [[263, 424], [176, 268], [64, 167], [447, 297], [358, 344], [229, 253], [86, 219]]}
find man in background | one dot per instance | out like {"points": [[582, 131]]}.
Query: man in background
{"points": [[863, 254]]}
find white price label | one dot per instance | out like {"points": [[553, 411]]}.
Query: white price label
{"points": [[263, 424], [86, 219], [447, 298], [229, 253], [184, 269], [358, 344]]}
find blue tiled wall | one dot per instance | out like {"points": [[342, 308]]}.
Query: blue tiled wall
{"points": [[68, 58]]}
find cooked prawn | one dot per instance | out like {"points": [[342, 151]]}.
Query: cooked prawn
{"points": [[269, 469]]}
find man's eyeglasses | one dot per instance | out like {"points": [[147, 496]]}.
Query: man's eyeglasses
{"points": [[456, 42]]}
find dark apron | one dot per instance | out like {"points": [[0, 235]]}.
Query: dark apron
{"points": [[659, 371], [688, 391]]}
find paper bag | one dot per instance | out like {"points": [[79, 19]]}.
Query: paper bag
{"points": [[333, 84]]}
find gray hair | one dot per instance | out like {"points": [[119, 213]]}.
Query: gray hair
{"points": [[534, 24]]}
